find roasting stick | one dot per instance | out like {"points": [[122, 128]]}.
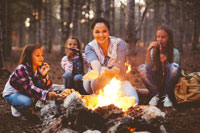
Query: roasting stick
{"points": [[76, 50], [163, 68]]}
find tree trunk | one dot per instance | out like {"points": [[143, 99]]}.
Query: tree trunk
{"points": [[62, 40], [106, 9], [69, 20], [180, 14], [46, 23], [121, 20], [39, 21], [2, 29], [196, 24], [157, 17], [188, 30], [139, 18], [98, 8], [50, 29], [7, 28], [88, 22], [32, 28], [113, 17], [75, 18], [21, 32], [130, 28], [167, 13], [145, 31]]}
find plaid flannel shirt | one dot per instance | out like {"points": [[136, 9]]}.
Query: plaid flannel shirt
{"points": [[25, 81]]}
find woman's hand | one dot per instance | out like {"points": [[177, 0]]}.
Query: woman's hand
{"points": [[163, 59], [111, 72], [152, 45], [92, 75], [52, 95], [44, 69]]}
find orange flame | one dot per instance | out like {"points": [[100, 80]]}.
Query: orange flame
{"points": [[128, 66], [111, 94]]}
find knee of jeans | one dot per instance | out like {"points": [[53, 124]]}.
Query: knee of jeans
{"points": [[142, 69], [67, 75], [174, 69], [78, 78], [26, 103], [86, 86]]}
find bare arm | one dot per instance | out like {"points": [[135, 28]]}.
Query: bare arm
{"points": [[148, 54]]}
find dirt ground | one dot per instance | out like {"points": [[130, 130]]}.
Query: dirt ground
{"points": [[183, 118]]}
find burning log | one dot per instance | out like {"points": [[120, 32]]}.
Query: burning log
{"points": [[109, 112], [148, 118]]}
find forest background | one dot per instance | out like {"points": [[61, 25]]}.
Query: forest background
{"points": [[51, 22]]}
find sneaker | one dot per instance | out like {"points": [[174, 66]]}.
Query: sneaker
{"points": [[15, 112], [154, 101], [167, 102]]}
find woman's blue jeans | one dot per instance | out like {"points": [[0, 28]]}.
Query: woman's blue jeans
{"points": [[73, 81], [19, 101], [152, 81]]}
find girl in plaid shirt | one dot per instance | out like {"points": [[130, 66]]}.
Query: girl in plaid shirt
{"points": [[29, 80]]}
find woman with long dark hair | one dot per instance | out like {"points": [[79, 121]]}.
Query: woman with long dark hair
{"points": [[161, 70], [106, 55]]}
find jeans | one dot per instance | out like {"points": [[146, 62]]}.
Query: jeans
{"points": [[19, 101], [73, 81], [93, 86], [152, 81]]}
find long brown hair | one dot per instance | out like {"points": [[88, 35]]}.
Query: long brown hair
{"points": [[26, 56], [169, 49]]}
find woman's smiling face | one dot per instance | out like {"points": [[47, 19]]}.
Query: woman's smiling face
{"points": [[101, 33]]}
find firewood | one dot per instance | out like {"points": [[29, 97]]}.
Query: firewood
{"points": [[54, 126]]}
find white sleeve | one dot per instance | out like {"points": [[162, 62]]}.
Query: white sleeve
{"points": [[66, 65]]}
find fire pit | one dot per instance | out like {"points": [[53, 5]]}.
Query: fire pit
{"points": [[109, 111]]}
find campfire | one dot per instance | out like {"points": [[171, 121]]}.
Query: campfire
{"points": [[111, 94], [128, 66], [109, 111]]}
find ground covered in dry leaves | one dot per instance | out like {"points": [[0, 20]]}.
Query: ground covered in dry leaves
{"points": [[182, 118]]}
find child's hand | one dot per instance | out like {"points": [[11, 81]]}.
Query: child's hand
{"points": [[163, 59], [44, 69], [152, 45], [70, 53], [52, 95]]}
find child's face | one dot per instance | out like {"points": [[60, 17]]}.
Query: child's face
{"points": [[162, 37], [72, 43], [37, 57]]}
